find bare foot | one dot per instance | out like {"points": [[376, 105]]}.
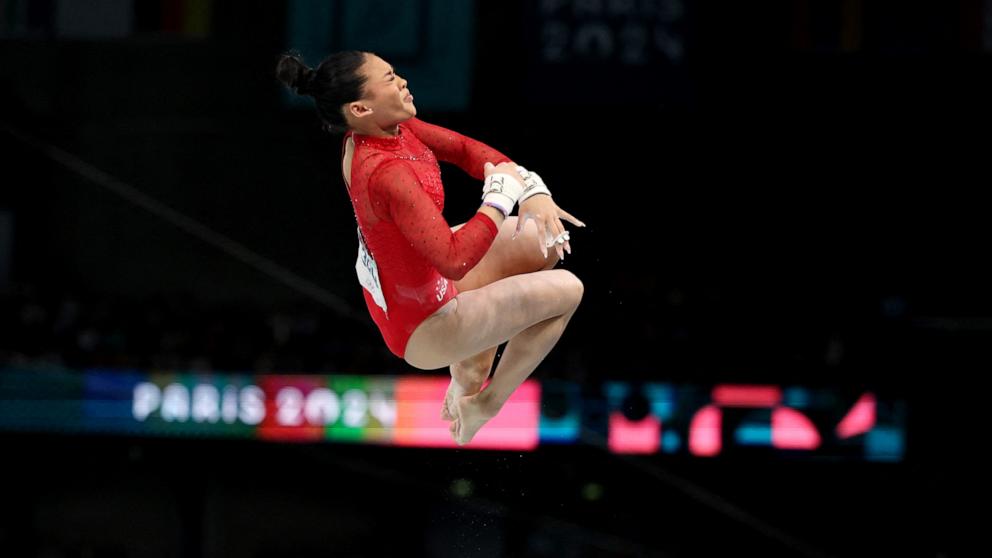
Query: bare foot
{"points": [[455, 392], [462, 384], [470, 413]]}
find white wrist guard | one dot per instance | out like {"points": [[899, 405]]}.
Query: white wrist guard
{"points": [[501, 191], [533, 185]]}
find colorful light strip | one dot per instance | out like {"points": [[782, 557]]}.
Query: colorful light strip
{"points": [[645, 418]]}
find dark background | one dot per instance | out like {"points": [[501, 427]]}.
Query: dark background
{"points": [[793, 197]]}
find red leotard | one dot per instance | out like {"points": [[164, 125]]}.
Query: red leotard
{"points": [[398, 198]]}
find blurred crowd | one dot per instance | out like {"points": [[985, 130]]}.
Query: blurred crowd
{"points": [[176, 332], [636, 328]]}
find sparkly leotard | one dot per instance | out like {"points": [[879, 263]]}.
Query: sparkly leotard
{"points": [[398, 197]]}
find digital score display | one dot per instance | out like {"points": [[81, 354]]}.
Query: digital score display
{"points": [[631, 418]]}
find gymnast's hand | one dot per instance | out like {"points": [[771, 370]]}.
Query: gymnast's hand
{"points": [[507, 168], [547, 216]]}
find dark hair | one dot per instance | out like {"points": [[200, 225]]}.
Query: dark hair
{"points": [[335, 82]]}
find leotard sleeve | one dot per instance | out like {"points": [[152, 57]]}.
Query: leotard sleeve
{"points": [[397, 195], [470, 155]]}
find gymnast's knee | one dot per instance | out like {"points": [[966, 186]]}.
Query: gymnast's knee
{"points": [[573, 287]]}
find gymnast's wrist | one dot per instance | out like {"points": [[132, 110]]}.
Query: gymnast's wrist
{"points": [[533, 185], [495, 214], [498, 207], [501, 191]]}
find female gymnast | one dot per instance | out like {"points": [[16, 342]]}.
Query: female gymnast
{"points": [[443, 296]]}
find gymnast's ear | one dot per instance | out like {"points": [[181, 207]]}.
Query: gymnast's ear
{"points": [[358, 109]]}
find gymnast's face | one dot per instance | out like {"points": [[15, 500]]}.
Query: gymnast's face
{"points": [[386, 101]]}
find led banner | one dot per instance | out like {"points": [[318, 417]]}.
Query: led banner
{"points": [[603, 53], [627, 417]]}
